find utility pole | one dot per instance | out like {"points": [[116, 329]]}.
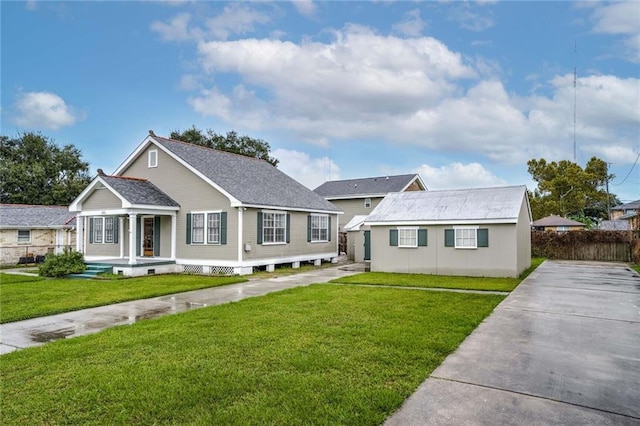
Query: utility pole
{"points": [[607, 181]]}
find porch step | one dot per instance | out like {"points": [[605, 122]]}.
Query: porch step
{"points": [[93, 269]]}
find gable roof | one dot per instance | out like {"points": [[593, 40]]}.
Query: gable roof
{"points": [[460, 206], [355, 223], [139, 191], [554, 220], [362, 187], [628, 206], [249, 181], [35, 216]]}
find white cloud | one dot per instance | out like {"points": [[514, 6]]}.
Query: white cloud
{"points": [[621, 18], [235, 18], [457, 175], [211, 103], [43, 110], [305, 7], [309, 171], [412, 25], [471, 20], [177, 29]]}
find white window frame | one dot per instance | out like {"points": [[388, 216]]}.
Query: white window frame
{"points": [[109, 238], [465, 229], [205, 228], [99, 225], [562, 229], [217, 228], [407, 237], [21, 240], [98, 231], [367, 203], [153, 158], [319, 223], [283, 219]]}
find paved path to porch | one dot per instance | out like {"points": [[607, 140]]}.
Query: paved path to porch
{"points": [[38, 331]]}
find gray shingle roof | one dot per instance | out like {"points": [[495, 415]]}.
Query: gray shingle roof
{"points": [[364, 186], [615, 225], [139, 191], [628, 206], [470, 205], [554, 220], [32, 216], [250, 180]]}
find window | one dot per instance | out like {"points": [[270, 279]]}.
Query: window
{"points": [[97, 230], [274, 227], [207, 228], [109, 229], [319, 228], [153, 158], [407, 237], [197, 228], [24, 235], [562, 228], [213, 228], [466, 237], [367, 203]]}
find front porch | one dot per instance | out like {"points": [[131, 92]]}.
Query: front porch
{"points": [[142, 266]]}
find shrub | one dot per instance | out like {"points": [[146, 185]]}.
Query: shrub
{"points": [[59, 265]]}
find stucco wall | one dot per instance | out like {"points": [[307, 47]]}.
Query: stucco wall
{"points": [[500, 259]]}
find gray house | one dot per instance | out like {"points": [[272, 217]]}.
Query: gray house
{"points": [[357, 198], [471, 232], [174, 206]]}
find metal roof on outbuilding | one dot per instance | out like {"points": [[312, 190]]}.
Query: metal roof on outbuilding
{"points": [[477, 205], [35, 216], [365, 186], [554, 220]]}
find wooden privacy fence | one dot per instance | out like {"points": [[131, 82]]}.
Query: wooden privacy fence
{"points": [[608, 246]]}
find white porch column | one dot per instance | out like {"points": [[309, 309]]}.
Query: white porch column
{"points": [[80, 234], [121, 235], [174, 230], [240, 248], [133, 223]]}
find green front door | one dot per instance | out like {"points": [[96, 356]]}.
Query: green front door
{"points": [[367, 245]]}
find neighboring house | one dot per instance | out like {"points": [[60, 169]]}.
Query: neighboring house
{"points": [[174, 206], [29, 232], [557, 224], [614, 225], [470, 232], [358, 197], [628, 212]]}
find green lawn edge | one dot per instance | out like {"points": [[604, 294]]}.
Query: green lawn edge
{"points": [[21, 300], [439, 281]]}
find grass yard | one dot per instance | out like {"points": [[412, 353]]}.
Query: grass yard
{"points": [[439, 281], [315, 355], [29, 297]]}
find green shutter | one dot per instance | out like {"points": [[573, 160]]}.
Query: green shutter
{"points": [[483, 237], [329, 231], [223, 228], [188, 228], [309, 228], [116, 231], [138, 235], [90, 230], [449, 238], [288, 229], [422, 237], [156, 235], [259, 237], [393, 237]]}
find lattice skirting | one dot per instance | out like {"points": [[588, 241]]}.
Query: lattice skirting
{"points": [[221, 270], [192, 269], [211, 270]]}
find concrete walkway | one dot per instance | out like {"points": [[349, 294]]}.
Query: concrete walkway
{"points": [[38, 331], [563, 348]]}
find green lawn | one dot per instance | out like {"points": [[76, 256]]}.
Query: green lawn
{"points": [[315, 355], [20, 299], [439, 281]]}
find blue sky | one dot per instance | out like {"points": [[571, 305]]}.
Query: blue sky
{"points": [[464, 93]]}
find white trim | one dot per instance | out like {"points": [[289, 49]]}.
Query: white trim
{"points": [[18, 236], [416, 178], [279, 213], [287, 209], [206, 214], [174, 238], [240, 230], [356, 196], [509, 221], [407, 228], [256, 262], [365, 203], [465, 228], [326, 228]]}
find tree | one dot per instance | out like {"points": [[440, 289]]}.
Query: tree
{"points": [[232, 142], [34, 170], [565, 188]]}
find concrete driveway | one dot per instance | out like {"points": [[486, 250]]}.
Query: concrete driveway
{"points": [[563, 348]]}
